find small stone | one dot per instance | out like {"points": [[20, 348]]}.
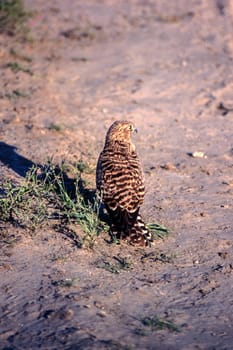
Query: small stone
{"points": [[168, 166], [197, 154], [101, 313]]}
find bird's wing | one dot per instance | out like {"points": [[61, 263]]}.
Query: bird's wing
{"points": [[121, 182]]}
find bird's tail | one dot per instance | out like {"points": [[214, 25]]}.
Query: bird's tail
{"points": [[129, 226], [139, 234]]}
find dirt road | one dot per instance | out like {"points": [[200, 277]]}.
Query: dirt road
{"points": [[167, 66]]}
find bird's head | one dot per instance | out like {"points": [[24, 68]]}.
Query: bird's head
{"points": [[120, 131]]}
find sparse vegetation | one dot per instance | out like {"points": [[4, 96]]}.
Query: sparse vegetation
{"points": [[25, 204], [13, 17], [158, 256], [15, 94], [67, 282], [109, 267], [157, 230], [156, 323], [122, 264], [49, 194], [16, 67], [55, 127]]}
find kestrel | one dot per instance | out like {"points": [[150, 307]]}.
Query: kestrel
{"points": [[120, 183]]}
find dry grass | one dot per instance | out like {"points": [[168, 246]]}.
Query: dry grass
{"points": [[57, 196], [13, 17]]}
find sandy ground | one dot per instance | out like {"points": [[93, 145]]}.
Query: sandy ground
{"points": [[167, 66]]}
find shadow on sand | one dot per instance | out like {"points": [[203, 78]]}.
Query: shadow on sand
{"points": [[10, 158], [21, 166]]}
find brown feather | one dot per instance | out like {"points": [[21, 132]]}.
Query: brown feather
{"points": [[120, 181]]}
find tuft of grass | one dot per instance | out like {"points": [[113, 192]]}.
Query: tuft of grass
{"points": [[73, 206], [25, 204], [161, 257], [123, 264], [156, 323], [49, 194], [67, 282], [109, 267], [13, 17], [15, 94], [16, 67], [158, 231], [55, 127]]}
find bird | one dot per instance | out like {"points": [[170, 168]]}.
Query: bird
{"points": [[120, 184]]}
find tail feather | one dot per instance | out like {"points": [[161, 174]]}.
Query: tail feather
{"points": [[139, 234], [122, 221], [136, 233]]}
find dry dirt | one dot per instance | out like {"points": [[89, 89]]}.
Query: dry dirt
{"points": [[167, 66]]}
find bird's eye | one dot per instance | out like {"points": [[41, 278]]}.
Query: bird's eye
{"points": [[131, 128]]}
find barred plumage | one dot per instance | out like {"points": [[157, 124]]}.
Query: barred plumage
{"points": [[120, 182]]}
